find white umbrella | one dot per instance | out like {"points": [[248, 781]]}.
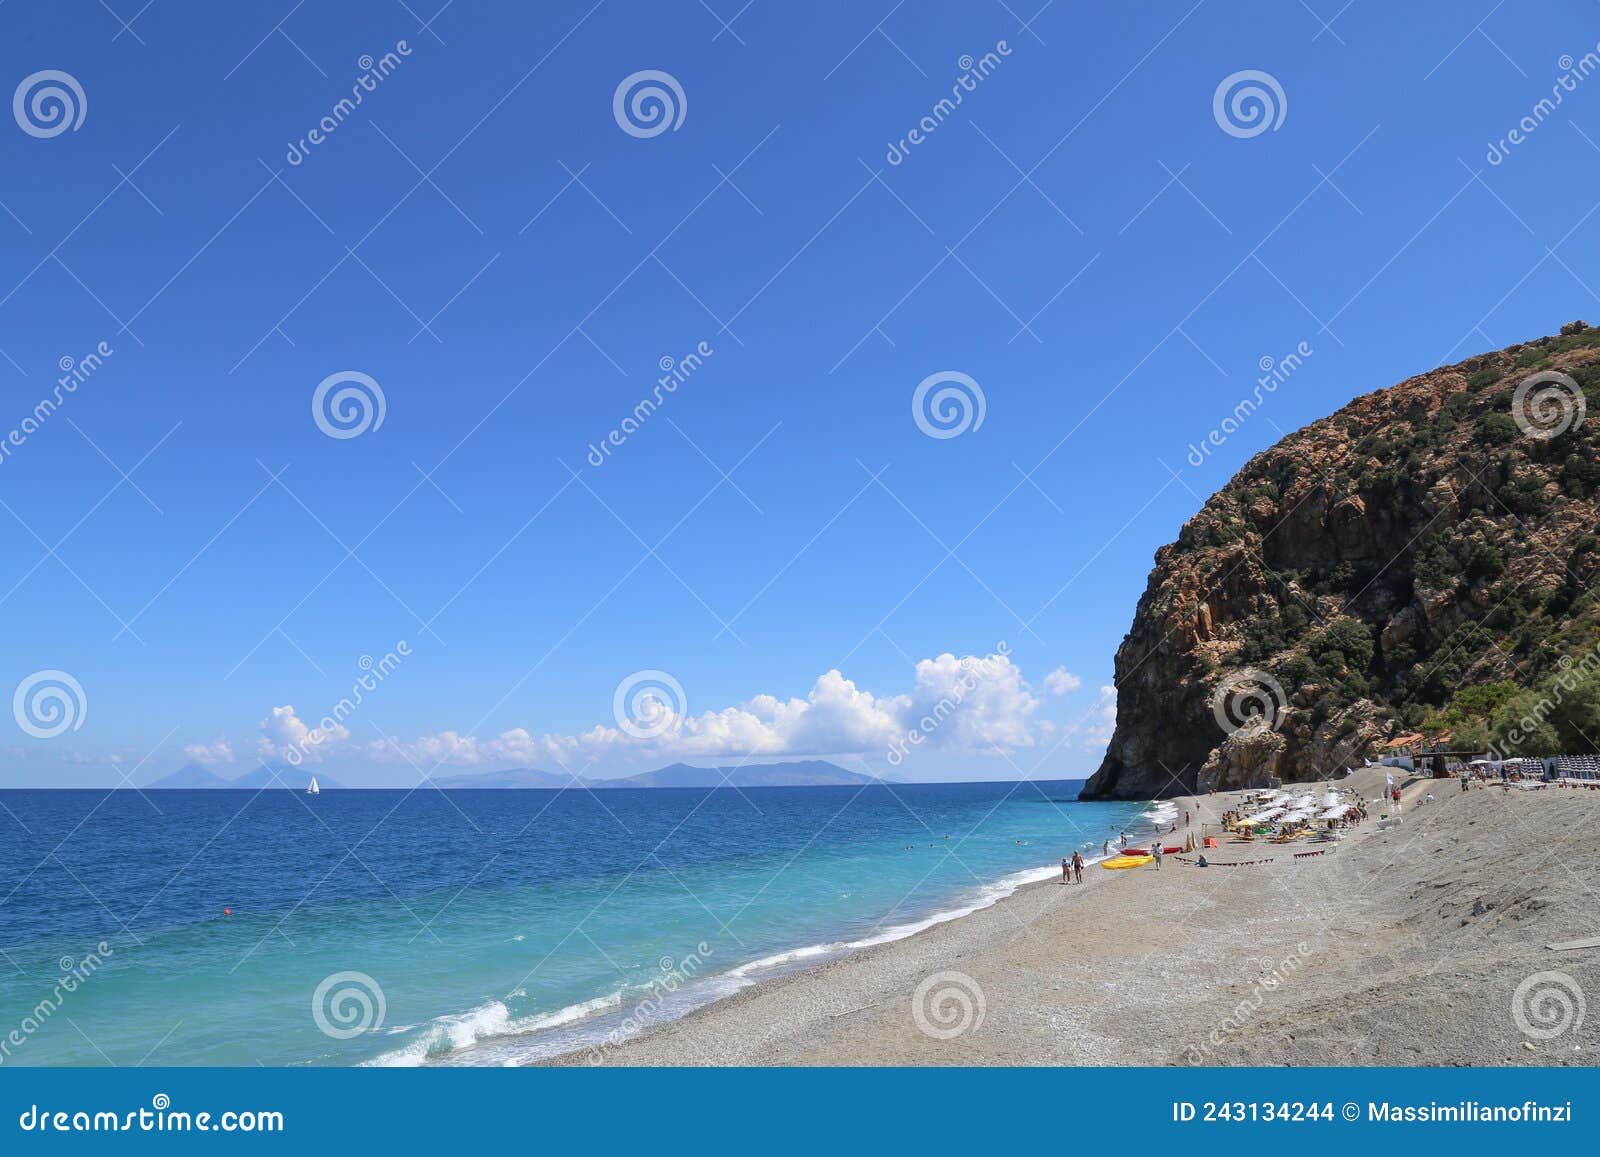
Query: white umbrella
{"points": [[1263, 817], [1335, 813]]}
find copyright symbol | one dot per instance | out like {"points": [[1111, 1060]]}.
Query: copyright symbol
{"points": [[1351, 1110]]}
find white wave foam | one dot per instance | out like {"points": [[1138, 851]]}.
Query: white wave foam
{"points": [[446, 1034], [990, 895], [1161, 812], [449, 1034]]}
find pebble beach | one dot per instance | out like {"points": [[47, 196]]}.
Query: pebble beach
{"points": [[1424, 941]]}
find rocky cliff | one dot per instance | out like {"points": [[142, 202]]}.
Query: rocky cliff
{"points": [[1350, 581]]}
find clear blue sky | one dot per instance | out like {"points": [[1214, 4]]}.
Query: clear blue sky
{"points": [[480, 236]]}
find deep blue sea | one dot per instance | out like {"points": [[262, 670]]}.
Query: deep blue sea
{"points": [[477, 927]]}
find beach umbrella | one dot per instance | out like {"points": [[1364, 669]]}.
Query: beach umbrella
{"points": [[1262, 817]]}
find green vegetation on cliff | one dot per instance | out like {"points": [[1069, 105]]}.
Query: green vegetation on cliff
{"points": [[1424, 559]]}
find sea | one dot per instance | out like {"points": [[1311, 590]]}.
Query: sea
{"points": [[391, 927]]}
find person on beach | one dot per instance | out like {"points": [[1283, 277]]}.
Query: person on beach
{"points": [[1185, 819], [1077, 865], [1066, 878], [1155, 850], [1105, 848]]}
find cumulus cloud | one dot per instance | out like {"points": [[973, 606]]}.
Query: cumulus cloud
{"points": [[285, 736], [975, 703], [209, 753], [1062, 681]]}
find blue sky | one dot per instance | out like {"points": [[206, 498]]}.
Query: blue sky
{"points": [[1081, 237]]}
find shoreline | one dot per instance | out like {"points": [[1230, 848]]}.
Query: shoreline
{"points": [[712, 990], [1183, 966], [842, 954]]}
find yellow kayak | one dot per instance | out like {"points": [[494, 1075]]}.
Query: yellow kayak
{"points": [[1126, 862]]}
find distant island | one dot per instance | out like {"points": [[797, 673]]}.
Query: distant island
{"points": [[800, 773], [193, 776]]}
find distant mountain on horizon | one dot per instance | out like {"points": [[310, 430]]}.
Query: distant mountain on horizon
{"points": [[193, 776], [190, 775], [797, 773], [510, 779], [794, 773], [800, 773]]}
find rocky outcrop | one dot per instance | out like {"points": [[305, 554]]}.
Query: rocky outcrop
{"points": [[1350, 579]]}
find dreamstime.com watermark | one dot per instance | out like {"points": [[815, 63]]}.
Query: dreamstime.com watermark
{"points": [[935, 716], [649, 1009], [1249, 102], [73, 974], [674, 372], [74, 373], [48, 103], [1274, 372], [160, 1117], [373, 73], [347, 1004], [49, 703], [947, 404], [1547, 1005], [347, 404], [649, 703], [1573, 73], [1573, 673], [1548, 404], [973, 73], [1248, 698], [947, 1005], [1274, 974], [648, 103], [331, 725]]}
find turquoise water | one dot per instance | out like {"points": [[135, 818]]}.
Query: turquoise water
{"points": [[487, 927]]}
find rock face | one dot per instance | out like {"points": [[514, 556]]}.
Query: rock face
{"points": [[1349, 580]]}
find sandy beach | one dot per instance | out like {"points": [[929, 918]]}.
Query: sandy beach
{"points": [[1425, 943]]}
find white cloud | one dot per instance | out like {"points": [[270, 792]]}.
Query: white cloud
{"points": [[1062, 681], [209, 753], [975, 703], [283, 731]]}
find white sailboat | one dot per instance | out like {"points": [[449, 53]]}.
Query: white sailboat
{"points": [[313, 789]]}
